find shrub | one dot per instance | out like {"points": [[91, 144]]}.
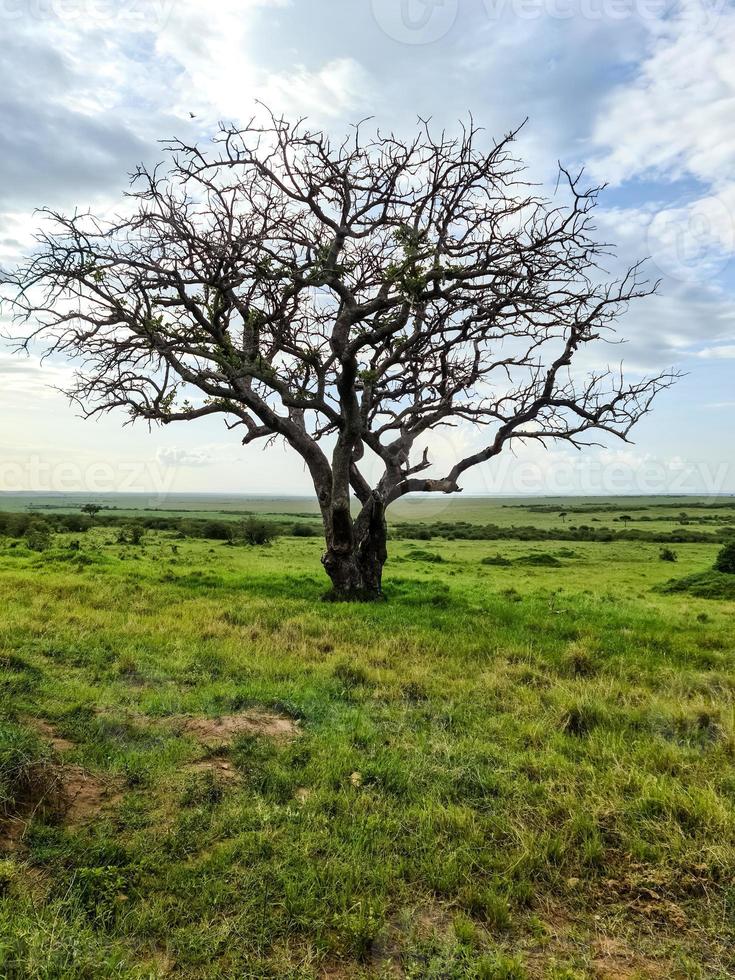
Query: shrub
{"points": [[725, 561], [703, 585], [305, 531], [496, 560], [254, 531], [418, 554], [668, 554], [132, 534], [542, 560], [218, 530], [38, 536]]}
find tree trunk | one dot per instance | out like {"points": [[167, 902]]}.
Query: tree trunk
{"points": [[356, 554]]}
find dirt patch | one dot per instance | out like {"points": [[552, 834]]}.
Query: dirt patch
{"points": [[404, 930], [210, 732], [12, 831], [83, 795], [47, 731], [162, 963], [60, 792], [214, 732], [337, 971], [75, 794], [218, 766], [433, 920], [607, 957], [67, 794], [613, 960]]}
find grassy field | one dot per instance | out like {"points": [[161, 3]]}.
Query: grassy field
{"points": [[507, 770]]}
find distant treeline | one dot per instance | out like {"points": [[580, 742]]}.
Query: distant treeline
{"points": [[18, 525], [464, 531], [621, 504], [112, 508]]}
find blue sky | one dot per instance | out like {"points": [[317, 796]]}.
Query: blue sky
{"points": [[640, 91]]}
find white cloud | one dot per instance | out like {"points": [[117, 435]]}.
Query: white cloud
{"points": [[726, 352], [20, 375], [175, 456], [673, 121], [221, 74], [675, 117]]}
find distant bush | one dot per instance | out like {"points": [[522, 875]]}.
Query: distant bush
{"points": [[254, 531], [305, 531], [462, 530], [418, 554], [130, 534], [725, 561], [668, 554], [704, 585], [542, 559], [72, 522], [217, 530], [38, 536], [496, 560]]}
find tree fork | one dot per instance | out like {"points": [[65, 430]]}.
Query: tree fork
{"points": [[356, 553]]}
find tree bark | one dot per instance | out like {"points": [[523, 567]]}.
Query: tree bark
{"points": [[356, 553]]}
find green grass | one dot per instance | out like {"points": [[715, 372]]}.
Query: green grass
{"points": [[504, 771]]}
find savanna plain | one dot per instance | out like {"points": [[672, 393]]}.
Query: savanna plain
{"points": [[518, 765]]}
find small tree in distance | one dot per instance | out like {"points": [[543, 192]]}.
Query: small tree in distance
{"points": [[348, 298]]}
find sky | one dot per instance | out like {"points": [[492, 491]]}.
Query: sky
{"points": [[640, 92]]}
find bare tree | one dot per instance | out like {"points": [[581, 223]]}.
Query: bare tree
{"points": [[347, 298]]}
